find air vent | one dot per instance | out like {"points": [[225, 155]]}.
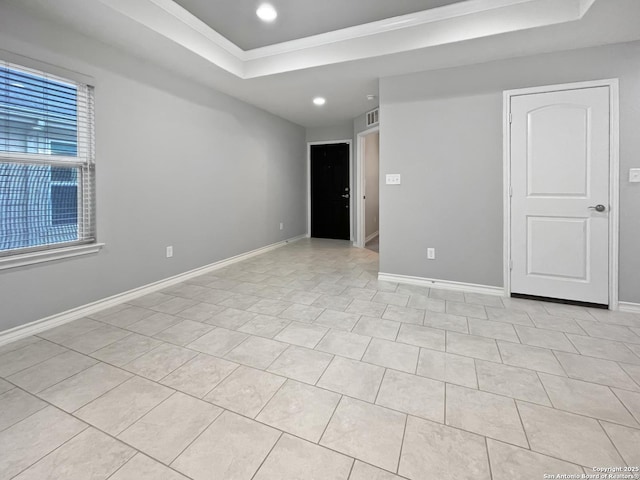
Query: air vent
{"points": [[373, 117]]}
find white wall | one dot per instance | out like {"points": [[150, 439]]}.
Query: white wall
{"points": [[177, 164], [442, 130], [372, 180]]}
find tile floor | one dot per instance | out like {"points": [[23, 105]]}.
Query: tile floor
{"points": [[299, 364]]}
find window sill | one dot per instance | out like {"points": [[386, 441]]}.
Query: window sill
{"points": [[33, 258]]}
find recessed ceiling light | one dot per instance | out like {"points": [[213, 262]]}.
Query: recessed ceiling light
{"points": [[266, 12], [319, 101]]}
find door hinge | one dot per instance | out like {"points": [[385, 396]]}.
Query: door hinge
{"points": [[511, 191], [510, 118], [510, 264]]}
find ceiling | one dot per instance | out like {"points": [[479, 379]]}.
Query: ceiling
{"points": [[345, 65], [236, 20]]}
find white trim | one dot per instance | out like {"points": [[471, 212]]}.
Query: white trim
{"points": [[41, 256], [351, 202], [64, 73], [360, 204], [388, 36], [41, 325], [614, 176], [442, 284], [446, 12], [629, 307], [186, 17], [371, 237]]}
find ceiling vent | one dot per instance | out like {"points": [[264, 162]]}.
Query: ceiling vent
{"points": [[373, 117]]}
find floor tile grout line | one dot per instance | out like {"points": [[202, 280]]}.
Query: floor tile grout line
{"points": [[554, 353], [215, 419], [238, 365], [546, 392], [3, 429], [353, 464], [325, 369], [404, 434], [37, 363], [524, 430], [324, 430], [136, 453], [53, 450], [612, 442], [274, 396], [39, 334], [625, 407], [537, 404], [268, 454], [137, 419], [475, 370], [554, 456], [591, 382], [38, 394], [486, 446], [444, 405], [637, 382], [51, 358], [159, 346], [384, 374]]}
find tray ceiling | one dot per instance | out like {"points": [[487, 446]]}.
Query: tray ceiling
{"points": [[237, 21]]}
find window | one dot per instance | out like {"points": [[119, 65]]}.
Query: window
{"points": [[47, 166]]}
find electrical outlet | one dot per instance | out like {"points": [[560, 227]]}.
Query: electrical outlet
{"points": [[281, 226], [634, 175], [169, 251], [393, 179], [431, 253]]}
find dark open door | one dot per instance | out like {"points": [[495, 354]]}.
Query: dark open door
{"points": [[330, 191]]}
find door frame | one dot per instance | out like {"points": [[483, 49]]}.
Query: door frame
{"points": [[360, 207], [614, 175], [330, 142]]}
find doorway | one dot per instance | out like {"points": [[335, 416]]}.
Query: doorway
{"points": [[368, 204], [330, 190], [561, 184], [371, 190]]}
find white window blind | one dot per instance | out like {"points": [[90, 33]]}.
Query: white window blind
{"points": [[47, 164]]}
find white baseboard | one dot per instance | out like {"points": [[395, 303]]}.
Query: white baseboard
{"points": [[43, 324], [629, 307], [442, 284], [371, 237]]}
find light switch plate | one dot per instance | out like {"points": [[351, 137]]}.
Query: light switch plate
{"points": [[634, 175], [393, 179]]}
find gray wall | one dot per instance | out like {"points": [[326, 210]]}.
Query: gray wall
{"points": [[372, 180], [177, 164], [342, 131], [442, 131]]}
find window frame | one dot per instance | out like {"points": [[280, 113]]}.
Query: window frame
{"points": [[84, 162]]}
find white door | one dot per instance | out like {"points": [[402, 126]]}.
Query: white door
{"points": [[560, 194]]}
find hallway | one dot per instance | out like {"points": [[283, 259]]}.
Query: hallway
{"points": [[298, 363]]}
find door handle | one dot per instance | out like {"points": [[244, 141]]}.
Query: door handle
{"points": [[345, 196], [598, 208]]}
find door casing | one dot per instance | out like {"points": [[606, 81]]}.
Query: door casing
{"points": [[351, 194], [360, 231], [614, 176]]}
